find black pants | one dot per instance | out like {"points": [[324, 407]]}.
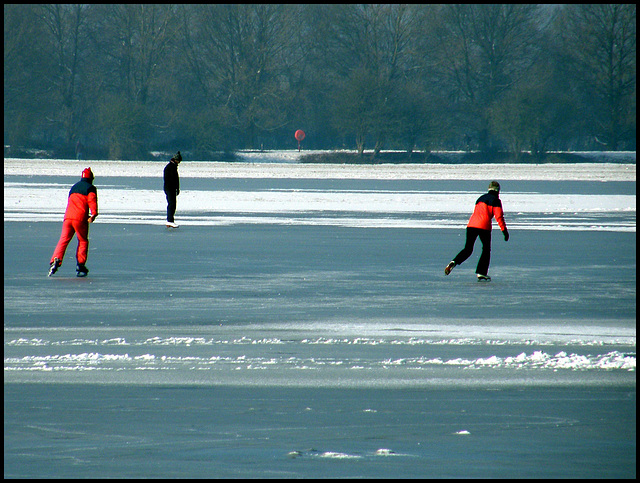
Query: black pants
{"points": [[485, 256], [171, 206]]}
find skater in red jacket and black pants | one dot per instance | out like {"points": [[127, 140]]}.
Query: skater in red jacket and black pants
{"points": [[83, 198], [487, 207]]}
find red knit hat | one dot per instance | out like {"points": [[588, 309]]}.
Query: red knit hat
{"points": [[87, 173]]}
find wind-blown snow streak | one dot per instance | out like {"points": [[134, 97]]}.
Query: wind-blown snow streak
{"points": [[301, 356], [92, 361]]}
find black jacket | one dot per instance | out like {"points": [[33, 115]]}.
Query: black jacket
{"points": [[171, 179]]}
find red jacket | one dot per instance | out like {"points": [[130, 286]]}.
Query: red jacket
{"points": [[487, 207], [83, 197]]}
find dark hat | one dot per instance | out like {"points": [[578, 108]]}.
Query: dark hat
{"points": [[177, 157], [494, 186], [87, 173]]}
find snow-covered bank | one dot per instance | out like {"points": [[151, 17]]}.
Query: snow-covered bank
{"points": [[256, 169]]}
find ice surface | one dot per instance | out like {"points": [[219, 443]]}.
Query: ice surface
{"points": [[94, 431], [299, 324], [324, 275]]}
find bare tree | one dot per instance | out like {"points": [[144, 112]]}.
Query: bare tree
{"points": [[27, 65], [132, 46], [599, 44], [242, 56], [134, 40], [66, 41], [483, 49], [362, 51]]}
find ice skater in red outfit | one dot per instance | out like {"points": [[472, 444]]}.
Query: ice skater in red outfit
{"points": [[83, 199], [487, 207]]}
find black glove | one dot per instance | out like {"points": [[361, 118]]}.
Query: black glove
{"points": [[506, 235]]}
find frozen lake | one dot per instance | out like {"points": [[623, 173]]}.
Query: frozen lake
{"points": [[293, 296]]}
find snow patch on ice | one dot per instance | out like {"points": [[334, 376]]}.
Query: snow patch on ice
{"points": [[613, 360], [37, 201]]}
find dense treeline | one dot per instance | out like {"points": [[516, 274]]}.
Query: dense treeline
{"points": [[124, 80]]}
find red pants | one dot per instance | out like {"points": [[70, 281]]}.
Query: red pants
{"points": [[69, 228]]}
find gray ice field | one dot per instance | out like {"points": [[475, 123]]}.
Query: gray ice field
{"points": [[270, 337]]}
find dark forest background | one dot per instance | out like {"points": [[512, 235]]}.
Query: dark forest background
{"points": [[126, 80]]}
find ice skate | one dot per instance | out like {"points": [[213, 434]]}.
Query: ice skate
{"points": [[53, 268], [483, 278], [449, 267], [81, 270], [171, 224]]}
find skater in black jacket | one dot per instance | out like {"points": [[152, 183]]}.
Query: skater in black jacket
{"points": [[172, 188]]}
